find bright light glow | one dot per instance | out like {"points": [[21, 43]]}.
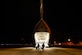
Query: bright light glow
{"points": [[41, 37], [69, 40], [59, 43]]}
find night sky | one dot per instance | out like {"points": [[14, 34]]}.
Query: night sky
{"points": [[20, 18]]}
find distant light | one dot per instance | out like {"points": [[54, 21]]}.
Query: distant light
{"points": [[7, 44], [54, 42], [69, 40], [2, 44], [59, 43]]}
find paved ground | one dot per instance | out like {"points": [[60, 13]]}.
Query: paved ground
{"points": [[47, 51]]}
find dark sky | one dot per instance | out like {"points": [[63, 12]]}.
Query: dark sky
{"points": [[63, 18]]}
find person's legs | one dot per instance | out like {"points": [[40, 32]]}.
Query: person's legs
{"points": [[36, 48]]}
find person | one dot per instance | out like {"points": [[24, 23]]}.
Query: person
{"points": [[37, 47], [43, 46]]}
